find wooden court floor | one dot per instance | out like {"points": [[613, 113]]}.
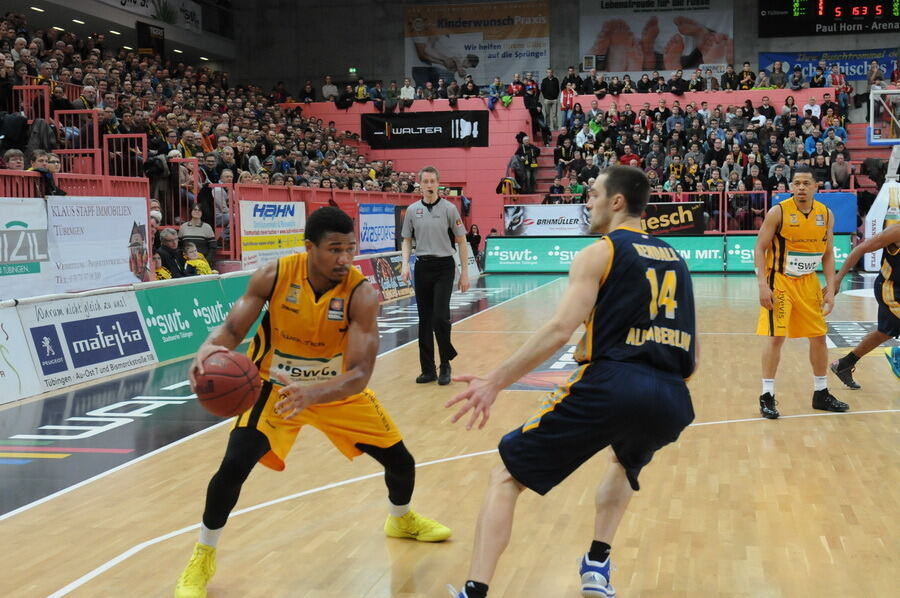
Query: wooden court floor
{"points": [[807, 505]]}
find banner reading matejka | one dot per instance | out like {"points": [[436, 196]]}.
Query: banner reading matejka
{"points": [[485, 40]]}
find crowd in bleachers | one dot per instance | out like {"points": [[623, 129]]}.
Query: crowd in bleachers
{"points": [[186, 112]]}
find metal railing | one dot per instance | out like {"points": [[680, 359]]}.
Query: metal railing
{"points": [[124, 154], [33, 101]]}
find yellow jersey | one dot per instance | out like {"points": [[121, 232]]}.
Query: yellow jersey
{"points": [[798, 245], [302, 337]]}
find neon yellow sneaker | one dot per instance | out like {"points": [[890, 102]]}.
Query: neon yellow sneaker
{"points": [[199, 570], [412, 525]]}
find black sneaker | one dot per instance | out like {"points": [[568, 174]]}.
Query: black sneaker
{"points": [[426, 377], [444, 376], [767, 407], [844, 375], [824, 400]]}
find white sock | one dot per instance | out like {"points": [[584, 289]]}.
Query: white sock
{"points": [[209, 537], [769, 385], [398, 510], [820, 382]]}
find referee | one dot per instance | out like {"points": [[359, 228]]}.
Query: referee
{"points": [[431, 221]]}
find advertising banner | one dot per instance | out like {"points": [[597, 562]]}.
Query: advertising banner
{"points": [[84, 338], [179, 317], [24, 248], [575, 219], [546, 220], [485, 40], [739, 252], [681, 218], [270, 230], [634, 37], [97, 242], [387, 272], [457, 128], [376, 227], [399, 214], [854, 63], [702, 253], [17, 376], [884, 212], [181, 13]]}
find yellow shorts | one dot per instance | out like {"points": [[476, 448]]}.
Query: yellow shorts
{"points": [[358, 418], [797, 308]]}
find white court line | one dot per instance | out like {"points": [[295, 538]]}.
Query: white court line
{"points": [[139, 547], [41, 501], [176, 385]]}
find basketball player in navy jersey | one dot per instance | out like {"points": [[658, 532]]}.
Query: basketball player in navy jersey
{"points": [[887, 294], [634, 295]]}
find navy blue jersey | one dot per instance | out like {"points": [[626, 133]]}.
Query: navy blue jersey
{"points": [[645, 307]]}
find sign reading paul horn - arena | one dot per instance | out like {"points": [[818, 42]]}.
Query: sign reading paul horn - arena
{"points": [[457, 128]]}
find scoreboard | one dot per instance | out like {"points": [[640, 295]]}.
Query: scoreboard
{"points": [[789, 18]]}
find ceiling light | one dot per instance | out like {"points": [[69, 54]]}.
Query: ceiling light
{"points": [[204, 58], [58, 28], [114, 32], [128, 47], [177, 51], [36, 9], [77, 21]]}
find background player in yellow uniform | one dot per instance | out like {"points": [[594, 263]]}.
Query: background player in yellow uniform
{"points": [[315, 350], [796, 237], [887, 285]]}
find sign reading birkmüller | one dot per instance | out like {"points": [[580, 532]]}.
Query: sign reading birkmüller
{"points": [[457, 128]]}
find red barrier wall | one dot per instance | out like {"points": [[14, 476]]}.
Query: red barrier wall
{"points": [[479, 169]]}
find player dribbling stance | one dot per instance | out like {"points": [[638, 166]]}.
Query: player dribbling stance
{"points": [[315, 350]]}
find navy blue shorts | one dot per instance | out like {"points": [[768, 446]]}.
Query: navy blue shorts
{"points": [[888, 322], [635, 408]]}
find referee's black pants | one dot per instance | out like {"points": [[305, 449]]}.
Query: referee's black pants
{"points": [[434, 285]]}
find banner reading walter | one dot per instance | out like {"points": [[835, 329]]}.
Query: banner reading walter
{"points": [[456, 128], [640, 36], [97, 242], [485, 40]]}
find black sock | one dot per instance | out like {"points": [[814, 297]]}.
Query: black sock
{"points": [[476, 589], [599, 551], [847, 361]]}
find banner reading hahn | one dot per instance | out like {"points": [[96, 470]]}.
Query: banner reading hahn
{"points": [[485, 40], [270, 230]]}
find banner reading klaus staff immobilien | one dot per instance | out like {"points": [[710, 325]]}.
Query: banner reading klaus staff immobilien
{"points": [[457, 128]]}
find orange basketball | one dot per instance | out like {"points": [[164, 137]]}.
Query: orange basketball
{"points": [[229, 384]]}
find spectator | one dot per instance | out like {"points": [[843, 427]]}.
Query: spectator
{"points": [[195, 263], [473, 237], [162, 273], [172, 259], [528, 154], [199, 233], [710, 82], [838, 80], [840, 173], [307, 94], [556, 191], [818, 79], [573, 78], [778, 78], [221, 204], [730, 79], [590, 170], [407, 94], [568, 103], [14, 159], [329, 90], [550, 91], [361, 91], [797, 81]]}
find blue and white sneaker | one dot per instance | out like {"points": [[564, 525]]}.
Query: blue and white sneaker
{"points": [[595, 578], [456, 594], [893, 357]]}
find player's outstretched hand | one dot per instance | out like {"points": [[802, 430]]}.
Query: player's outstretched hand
{"points": [[827, 301], [197, 365], [477, 398], [765, 297]]}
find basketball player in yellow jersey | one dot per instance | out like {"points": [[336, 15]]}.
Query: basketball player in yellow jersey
{"points": [[796, 237], [315, 350]]}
